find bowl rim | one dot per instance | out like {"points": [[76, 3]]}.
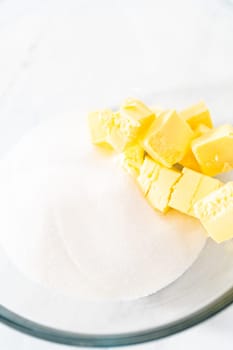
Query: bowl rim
{"points": [[54, 335]]}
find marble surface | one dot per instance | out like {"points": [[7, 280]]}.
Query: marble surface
{"points": [[62, 55]]}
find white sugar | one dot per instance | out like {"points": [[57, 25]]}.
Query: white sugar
{"points": [[73, 221]]}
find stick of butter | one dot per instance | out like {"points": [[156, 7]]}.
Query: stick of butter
{"points": [[197, 114], [168, 139], [191, 187], [216, 213], [213, 150]]}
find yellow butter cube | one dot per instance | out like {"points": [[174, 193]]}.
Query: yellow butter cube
{"points": [[189, 160], [184, 191], [168, 139], [161, 188], [206, 186], [213, 150], [197, 114], [117, 138], [191, 187], [201, 129], [132, 159], [216, 213], [148, 173], [130, 123], [100, 124], [135, 118]]}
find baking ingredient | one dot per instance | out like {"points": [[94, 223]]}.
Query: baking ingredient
{"points": [[184, 190], [161, 188], [196, 115], [117, 138], [201, 129], [132, 159], [120, 129], [135, 117], [79, 226], [213, 150], [216, 212], [130, 123], [148, 173], [191, 187], [206, 186], [189, 160], [182, 152], [100, 125], [168, 139], [105, 129]]}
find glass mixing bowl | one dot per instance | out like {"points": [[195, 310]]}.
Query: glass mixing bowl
{"points": [[204, 290]]}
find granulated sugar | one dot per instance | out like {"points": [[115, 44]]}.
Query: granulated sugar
{"points": [[74, 221]]}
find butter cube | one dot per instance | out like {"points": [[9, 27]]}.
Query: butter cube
{"points": [[135, 118], [129, 124], [216, 213], [161, 188], [156, 183], [201, 129], [117, 138], [191, 187], [100, 124], [189, 160], [184, 191], [168, 139], [213, 150], [132, 159], [148, 173], [206, 186], [197, 114]]}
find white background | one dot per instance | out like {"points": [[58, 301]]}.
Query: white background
{"points": [[66, 55]]}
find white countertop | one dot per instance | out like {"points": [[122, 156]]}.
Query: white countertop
{"points": [[60, 55]]}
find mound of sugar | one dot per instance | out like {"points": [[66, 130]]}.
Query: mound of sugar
{"points": [[74, 221]]}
